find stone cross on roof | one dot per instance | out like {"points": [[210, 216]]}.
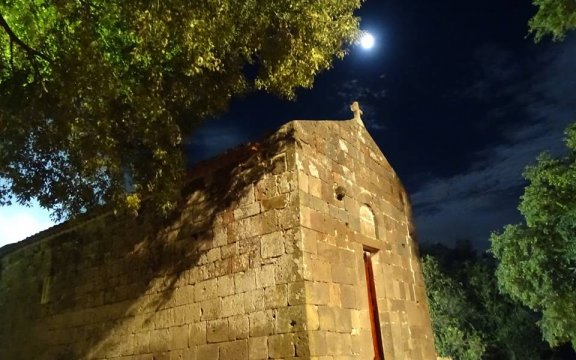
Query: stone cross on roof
{"points": [[355, 108]]}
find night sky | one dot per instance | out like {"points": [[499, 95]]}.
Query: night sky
{"points": [[456, 95]]}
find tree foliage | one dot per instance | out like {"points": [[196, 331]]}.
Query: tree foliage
{"points": [[454, 335], [96, 96], [554, 18], [471, 319], [537, 259]]}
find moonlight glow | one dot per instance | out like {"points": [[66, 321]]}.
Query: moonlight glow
{"points": [[367, 40]]}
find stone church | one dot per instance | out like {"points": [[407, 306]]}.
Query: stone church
{"points": [[300, 246]]}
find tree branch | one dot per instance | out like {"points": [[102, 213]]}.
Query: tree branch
{"points": [[14, 38]]}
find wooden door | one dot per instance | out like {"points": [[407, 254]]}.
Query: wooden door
{"points": [[373, 308]]}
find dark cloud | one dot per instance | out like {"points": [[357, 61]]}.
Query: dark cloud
{"points": [[214, 139], [369, 99], [483, 198]]}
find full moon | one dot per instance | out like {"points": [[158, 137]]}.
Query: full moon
{"points": [[367, 40]]}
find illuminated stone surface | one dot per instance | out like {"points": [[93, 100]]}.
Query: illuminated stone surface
{"points": [[264, 260]]}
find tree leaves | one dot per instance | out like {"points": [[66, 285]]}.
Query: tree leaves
{"points": [[454, 334], [538, 258], [554, 18], [103, 120], [470, 317]]}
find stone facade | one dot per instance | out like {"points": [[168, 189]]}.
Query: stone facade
{"points": [[266, 259]]}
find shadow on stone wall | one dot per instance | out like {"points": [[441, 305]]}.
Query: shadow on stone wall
{"points": [[89, 288]]}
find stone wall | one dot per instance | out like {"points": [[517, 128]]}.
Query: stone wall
{"points": [[263, 260], [341, 175]]}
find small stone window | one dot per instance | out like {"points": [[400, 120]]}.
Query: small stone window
{"points": [[367, 222]]}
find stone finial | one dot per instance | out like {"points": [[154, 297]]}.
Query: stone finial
{"points": [[355, 108]]}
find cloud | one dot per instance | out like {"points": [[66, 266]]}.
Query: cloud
{"points": [[354, 90], [484, 197], [214, 139]]}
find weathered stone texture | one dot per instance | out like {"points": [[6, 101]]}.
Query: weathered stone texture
{"points": [[263, 261], [340, 172]]}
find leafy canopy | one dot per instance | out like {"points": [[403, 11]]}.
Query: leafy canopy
{"points": [[471, 319], [454, 334], [96, 96], [538, 259], [554, 17]]}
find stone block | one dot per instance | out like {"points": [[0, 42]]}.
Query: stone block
{"points": [[326, 318], [317, 341], [312, 167], [245, 281], [235, 350], [335, 295], [210, 309], [306, 216], [264, 276], [208, 352], [309, 241], [315, 187], [276, 296], [276, 202], [343, 275], [287, 218], [160, 340], [343, 320], [320, 222], [268, 222], [316, 269], [210, 256], [239, 327], [296, 293], [291, 319], [339, 343], [258, 348], [197, 334], [179, 337], [191, 313], [226, 285], [254, 300], [348, 295], [247, 211], [329, 252], [229, 250], [186, 354], [206, 290], [248, 196], [286, 270], [271, 245], [278, 163], [317, 293], [281, 346], [286, 182], [262, 323], [220, 236], [142, 342], [303, 181], [217, 331], [232, 305], [266, 188], [312, 319], [183, 295]]}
